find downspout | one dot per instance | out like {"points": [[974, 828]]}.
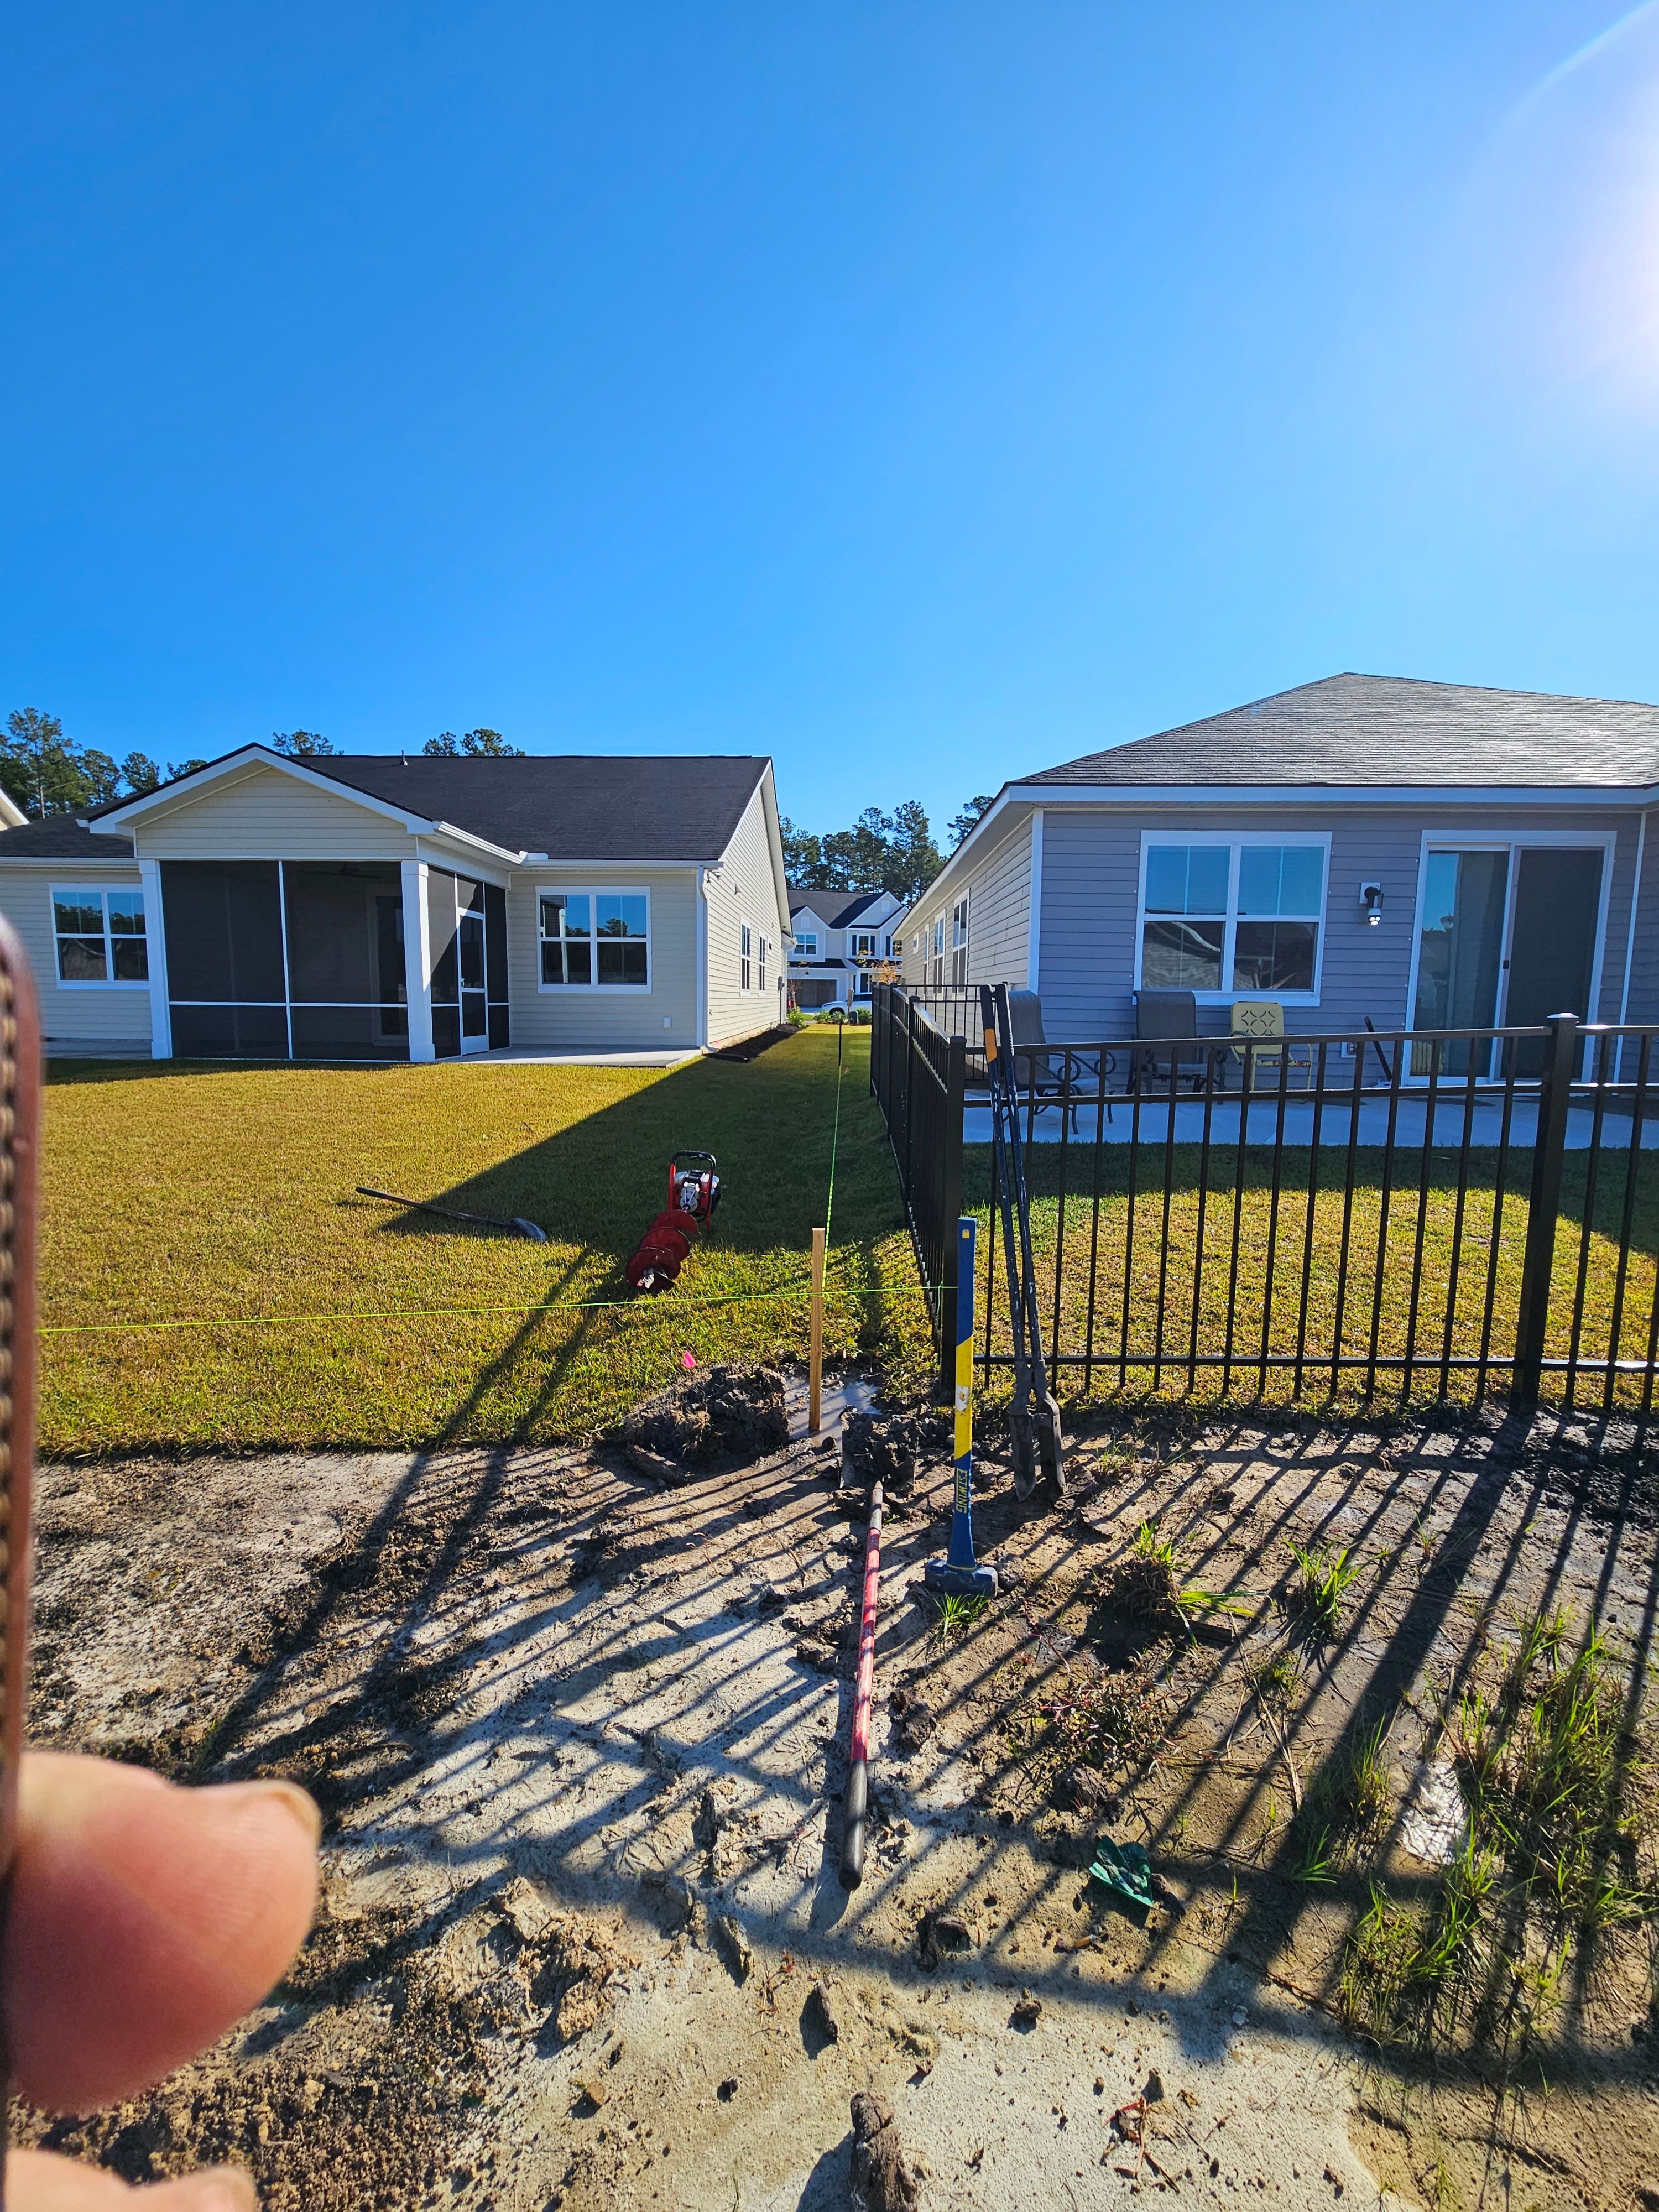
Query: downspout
{"points": [[703, 960], [1630, 940]]}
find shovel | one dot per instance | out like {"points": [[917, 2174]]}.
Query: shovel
{"points": [[518, 1225]]}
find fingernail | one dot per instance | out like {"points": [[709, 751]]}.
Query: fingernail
{"points": [[216, 2188], [297, 1801]]}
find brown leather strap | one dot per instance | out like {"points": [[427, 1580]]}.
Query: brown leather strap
{"points": [[20, 1133]]}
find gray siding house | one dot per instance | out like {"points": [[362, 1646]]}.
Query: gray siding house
{"points": [[373, 906], [1431, 856]]}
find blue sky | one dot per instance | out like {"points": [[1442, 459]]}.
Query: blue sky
{"points": [[920, 393]]}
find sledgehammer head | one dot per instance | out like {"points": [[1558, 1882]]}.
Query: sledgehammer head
{"points": [[959, 1581], [537, 1236]]}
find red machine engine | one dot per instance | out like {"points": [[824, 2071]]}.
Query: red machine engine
{"points": [[694, 1192]]}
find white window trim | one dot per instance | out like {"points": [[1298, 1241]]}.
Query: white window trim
{"points": [[806, 944], [604, 990], [1236, 839], [746, 958], [101, 893], [959, 907], [1512, 841]]}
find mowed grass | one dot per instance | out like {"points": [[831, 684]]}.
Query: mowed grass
{"points": [[224, 1198], [1426, 1266]]}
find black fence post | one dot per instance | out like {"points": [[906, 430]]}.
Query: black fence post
{"points": [[956, 1093], [909, 1090], [1543, 1208]]}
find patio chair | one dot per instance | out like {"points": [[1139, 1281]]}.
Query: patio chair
{"points": [[1171, 1014], [1261, 1023], [1047, 1074], [1044, 1074]]}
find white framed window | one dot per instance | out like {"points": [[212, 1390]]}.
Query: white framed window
{"points": [[1228, 917], [806, 944], [891, 946], [764, 948], [862, 945], [594, 940], [936, 964], [746, 956], [100, 937], [959, 941]]}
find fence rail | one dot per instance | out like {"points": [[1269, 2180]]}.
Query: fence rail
{"points": [[1461, 1212]]}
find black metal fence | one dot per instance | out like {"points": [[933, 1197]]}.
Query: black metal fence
{"points": [[1450, 1212]]}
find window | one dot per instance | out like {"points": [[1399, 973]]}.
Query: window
{"points": [[863, 944], [1228, 916], [861, 983], [595, 941], [806, 944], [937, 977], [745, 956], [765, 947], [101, 936], [959, 942]]}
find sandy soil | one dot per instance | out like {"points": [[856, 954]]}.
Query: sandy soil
{"points": [[577, 1741]]}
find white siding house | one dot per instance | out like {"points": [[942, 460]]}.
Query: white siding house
{"points": [[378, 907]]}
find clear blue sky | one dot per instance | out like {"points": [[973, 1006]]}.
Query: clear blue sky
{"points": [[920, 393]]}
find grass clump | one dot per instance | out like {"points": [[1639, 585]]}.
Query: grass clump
{"points": [[1323, 1576], [1559, 1821], [956, 1614]]}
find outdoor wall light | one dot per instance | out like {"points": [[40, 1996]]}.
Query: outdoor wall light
{"points": [[1370, 901]]}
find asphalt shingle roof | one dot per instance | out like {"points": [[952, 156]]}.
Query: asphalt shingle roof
{"points": [[60, 837], [572, 806], [834, 909], [1391, 730]]}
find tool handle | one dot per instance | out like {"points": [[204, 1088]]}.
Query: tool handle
{"points": [[857, 1801]]}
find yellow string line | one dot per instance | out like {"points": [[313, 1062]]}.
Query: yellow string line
{"points": [[640, 1305]]}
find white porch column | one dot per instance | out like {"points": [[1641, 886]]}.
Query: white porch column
{"points": [[417, 961], [155, 953]]}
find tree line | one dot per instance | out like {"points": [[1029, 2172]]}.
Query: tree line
{"points": [[47, 773], [881, 852]]}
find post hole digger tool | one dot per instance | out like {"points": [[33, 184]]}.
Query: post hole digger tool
{"points": [[517, 1226], [694, 1192], [1034, 1417], [959, 1574]]}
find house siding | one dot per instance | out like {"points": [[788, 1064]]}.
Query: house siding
{"points": [[265, 815], [86, 1018], [743, 888], [998, 889], [1090, 881], [630, 1020]]}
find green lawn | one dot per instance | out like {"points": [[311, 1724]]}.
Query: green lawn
{"points": [[1313, 1269], [223, 1197]]}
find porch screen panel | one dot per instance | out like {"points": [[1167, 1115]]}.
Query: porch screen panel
{"points": [[440, 921], [495, 965], [347, 984], [221, 923]]}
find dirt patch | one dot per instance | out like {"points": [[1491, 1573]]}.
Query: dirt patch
{"points": [[734, 1413], [580, 1743]]}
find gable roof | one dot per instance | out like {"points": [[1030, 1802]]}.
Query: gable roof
{"points": [[1377, 731], [560, 806], [834, 909]]}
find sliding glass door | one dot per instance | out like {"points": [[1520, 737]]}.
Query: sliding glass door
{"points": [[1506, 936]]}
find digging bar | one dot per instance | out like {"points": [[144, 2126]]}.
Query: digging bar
{"points": [[858, 1765], [518, 1225]]}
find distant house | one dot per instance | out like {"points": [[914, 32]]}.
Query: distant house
{"points": [[369, 907], [837, 935], [1430, 854]]}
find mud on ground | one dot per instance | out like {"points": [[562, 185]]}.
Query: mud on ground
{"points": [[578, 1742]]}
